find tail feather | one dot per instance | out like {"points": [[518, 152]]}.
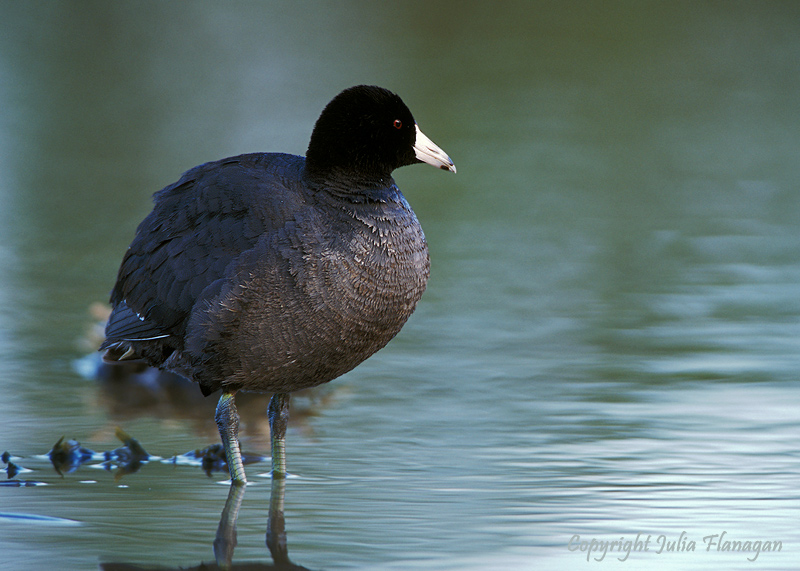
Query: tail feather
{"points": [[119, 351]]}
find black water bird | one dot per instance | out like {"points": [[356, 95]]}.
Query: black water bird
{"points": [[272, 272]]}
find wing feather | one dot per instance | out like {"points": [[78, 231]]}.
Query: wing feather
{"points": [[198, 227]]}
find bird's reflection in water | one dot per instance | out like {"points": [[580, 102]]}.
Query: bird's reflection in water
{"points": [[276, 526], [225, 541]]}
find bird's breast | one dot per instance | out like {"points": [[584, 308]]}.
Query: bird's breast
{"points": [[377, 272], [314, 302]]}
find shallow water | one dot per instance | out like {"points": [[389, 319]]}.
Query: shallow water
{"points": [[609, 342]]}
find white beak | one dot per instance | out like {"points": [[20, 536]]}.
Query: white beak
{"points": [[428, 152]]}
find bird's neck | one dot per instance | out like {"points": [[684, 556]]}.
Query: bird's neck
{"points": [[352, 186]]}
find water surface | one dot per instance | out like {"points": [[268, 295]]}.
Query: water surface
{"points": [[608, 347]]}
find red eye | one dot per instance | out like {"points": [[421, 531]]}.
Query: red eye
{"points": [[398, 124]]}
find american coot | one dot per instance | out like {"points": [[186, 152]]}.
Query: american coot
{"points": [[271, 272]]}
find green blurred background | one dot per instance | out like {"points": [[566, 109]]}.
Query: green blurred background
{"points": [[609, 341]]}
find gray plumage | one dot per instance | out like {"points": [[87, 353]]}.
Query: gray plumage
{"points": [[273, 272]]}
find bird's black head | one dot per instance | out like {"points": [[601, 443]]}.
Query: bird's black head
{"points": [[365, 131]]}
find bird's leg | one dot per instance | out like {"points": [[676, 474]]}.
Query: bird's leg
{"points": [[227, 419], [278, 413]]}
